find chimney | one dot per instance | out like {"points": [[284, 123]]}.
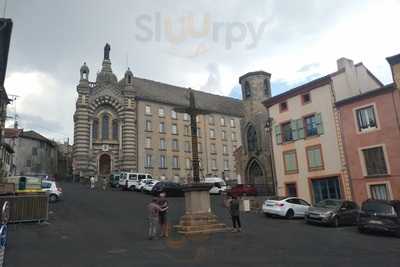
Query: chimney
{"points": [[351, 75], [394, 62], [344, 63]]}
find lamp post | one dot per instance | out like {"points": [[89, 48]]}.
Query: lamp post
{"points": [[268, 128], [198, 218]]}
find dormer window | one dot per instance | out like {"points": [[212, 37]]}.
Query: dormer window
{"points": [[306, 98], [283, 106], [247, 92]]}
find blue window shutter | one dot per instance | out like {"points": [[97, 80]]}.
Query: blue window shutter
{"points": [[318, 121], [300, 128], [278, 134], [293, 126]]}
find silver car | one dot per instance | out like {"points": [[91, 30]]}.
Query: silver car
{"points": [[333, 212], [51, 188]]}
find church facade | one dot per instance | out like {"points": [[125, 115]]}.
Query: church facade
{"points": [[131, 125]]}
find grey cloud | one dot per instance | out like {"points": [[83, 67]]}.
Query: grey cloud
{"points": [[308, 67]]}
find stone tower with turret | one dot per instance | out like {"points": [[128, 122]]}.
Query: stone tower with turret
{"points": [[104, 122], [256, 139]]}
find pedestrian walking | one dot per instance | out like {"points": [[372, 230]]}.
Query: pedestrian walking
{"points": [[104, 184], [154, 211], [163, 204], [234, 211], [92, 181]]}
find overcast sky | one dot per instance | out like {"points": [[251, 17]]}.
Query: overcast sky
{"points": [[296, 41]]}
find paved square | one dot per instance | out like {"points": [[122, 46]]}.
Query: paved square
{"points": [[109, 229]]}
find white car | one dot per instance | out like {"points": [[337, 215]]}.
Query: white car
{"points": [[142, 183], [130, 180], [218, 183], [148, 187], [288, 207], [51, 188]]}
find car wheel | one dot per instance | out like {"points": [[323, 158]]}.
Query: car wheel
{"points": [[335, 222], [132, 188], [361, 230], [290, 214], [53, 198], [268, 215]]}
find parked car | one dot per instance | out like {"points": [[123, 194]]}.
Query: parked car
{"points": [[170, 188], [148, 187], [130, 180], [380, 216], [51, 188], [242, 190], [218, 183], [288, 207], [114, 180], [333, 212], [142, 183]]}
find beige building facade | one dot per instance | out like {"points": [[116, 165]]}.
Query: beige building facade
{"points": [[307, 145], [131, 125]]}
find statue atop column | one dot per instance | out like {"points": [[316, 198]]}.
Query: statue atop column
{"points": [[107, 49]]}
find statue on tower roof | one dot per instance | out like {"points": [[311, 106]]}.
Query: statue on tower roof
{"points": [[107, 49]]}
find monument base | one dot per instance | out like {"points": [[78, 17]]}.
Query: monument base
{"points": [[198, 218]]}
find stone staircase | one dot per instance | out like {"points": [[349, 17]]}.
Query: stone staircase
{"points": [[200, 224]]}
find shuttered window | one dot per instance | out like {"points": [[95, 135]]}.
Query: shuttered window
{"points": [[290, 162], [314, 157], [375, 163]]}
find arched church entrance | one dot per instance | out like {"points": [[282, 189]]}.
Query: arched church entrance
{"points": [[255, 173], [105, 165]]}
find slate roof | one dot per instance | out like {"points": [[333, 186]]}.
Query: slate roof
{"points": [[381, 90], [36, 136], [178, 96]]}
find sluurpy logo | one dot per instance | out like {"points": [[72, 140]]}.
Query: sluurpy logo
{"points": [[192, 36]]}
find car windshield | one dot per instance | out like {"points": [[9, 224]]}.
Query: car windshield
{"points": [[276, 198], [329, 203], [379, 208]]}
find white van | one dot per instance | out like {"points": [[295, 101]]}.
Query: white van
{"points": [[131, 180], [218, 183]]}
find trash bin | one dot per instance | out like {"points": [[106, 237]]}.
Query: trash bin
{"points": [[246, 205]]}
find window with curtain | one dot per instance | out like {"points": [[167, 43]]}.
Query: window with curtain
{"points": [[314, 157], [290, 162], [163, 145], [175, 162], [95, 129], [379, 191], [105, 127], [162, 162], [251, 138], [115, 129], [366, 118], [147, 163], [375, 163]]}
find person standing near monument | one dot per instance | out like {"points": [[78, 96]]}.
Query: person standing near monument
{"points": [[163, 204], [154, 213], [234, 211]]}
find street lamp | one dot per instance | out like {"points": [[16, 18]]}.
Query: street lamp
{"points": [[268, 128]]}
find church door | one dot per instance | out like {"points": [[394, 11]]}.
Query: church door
{"points": [[255, 173], [105, 165]]}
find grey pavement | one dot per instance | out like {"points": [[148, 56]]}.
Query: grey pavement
{"points": [[109, 229]]}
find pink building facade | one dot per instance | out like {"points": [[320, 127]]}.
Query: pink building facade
{"points": [[370, 129]]}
